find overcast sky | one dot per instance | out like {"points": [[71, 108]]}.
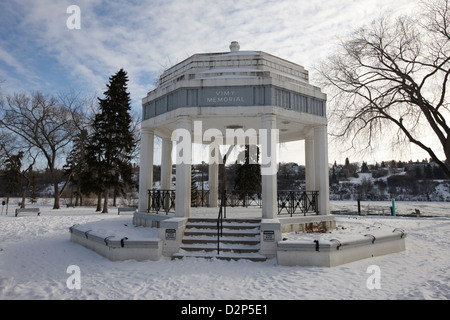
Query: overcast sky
{"points": [[39, 52]]}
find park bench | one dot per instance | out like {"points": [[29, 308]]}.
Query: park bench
{"points": [[27, 210], [125, 209], [70, 205]]}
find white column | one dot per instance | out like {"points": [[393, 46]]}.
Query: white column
{"points": [[183, 163], [146, 167], [166, 168], [166, 164], [269, 163], [213, 180], [309, 165], [321, 168]]}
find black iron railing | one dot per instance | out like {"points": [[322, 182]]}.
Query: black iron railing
{"points": [[200, 198], [243, 198], [294, 201], [161, 200], [289, 201]]}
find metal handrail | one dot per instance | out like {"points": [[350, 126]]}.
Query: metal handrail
{"points": [[222, 209]]}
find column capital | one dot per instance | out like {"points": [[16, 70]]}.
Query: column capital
{"points": [[184, 118], [184, 122], [145, 130], [269, 117], [321, 128]]}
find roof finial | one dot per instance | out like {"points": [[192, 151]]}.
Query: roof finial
{"points": [[234, 46]]}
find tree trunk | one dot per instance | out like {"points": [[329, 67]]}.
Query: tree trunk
{"points": [[78, 197], [105, 203], [24, 194], [7, 203], [99, 202], [56, 202]]}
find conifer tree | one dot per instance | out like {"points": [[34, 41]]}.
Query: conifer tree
{"points": [[12, 175], [112, 141], [248, 175], [76, 165]]}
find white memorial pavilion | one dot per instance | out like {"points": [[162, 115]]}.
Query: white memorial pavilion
{"points": [[215, 99], [263, 97]]}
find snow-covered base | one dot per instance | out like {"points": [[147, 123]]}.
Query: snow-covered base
{"points": [[334, 252], [35, 253], [117, 240]]}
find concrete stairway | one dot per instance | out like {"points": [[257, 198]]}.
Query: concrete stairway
{"points": [[240, 239]]}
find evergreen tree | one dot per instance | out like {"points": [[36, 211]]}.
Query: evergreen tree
{"points": [[12, 175], [364, 167], [112, 142], [428, 171], [248, 175], [347, 162], [333, 174], [76, 165]]}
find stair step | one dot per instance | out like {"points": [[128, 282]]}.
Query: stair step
{"points": [[211, 220], [234, 226], [222, 241], [240, 239], [207, 249], [223, 246], [225, 232], [221, 255]]}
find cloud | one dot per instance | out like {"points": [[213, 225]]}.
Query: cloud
{"points": [[145, 37], [11, 61]]}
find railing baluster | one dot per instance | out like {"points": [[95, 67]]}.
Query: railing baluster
{"points": [[161, 200]]}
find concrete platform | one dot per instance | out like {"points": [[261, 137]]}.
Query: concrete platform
{"points": [[118, 241], [335, 252], [246, 236]]}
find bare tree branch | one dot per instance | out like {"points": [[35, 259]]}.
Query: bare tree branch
{"points": [[394, 73], [45, 125]]}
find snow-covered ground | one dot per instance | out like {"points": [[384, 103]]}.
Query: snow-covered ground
{"points": [[432, 209], [35, 253]]}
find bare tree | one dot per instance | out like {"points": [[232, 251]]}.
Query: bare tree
{"points": [[13, 154], [45, 124], [394, 74]]}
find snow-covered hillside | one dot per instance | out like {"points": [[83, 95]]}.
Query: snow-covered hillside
{"points": [[397, 186]]}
